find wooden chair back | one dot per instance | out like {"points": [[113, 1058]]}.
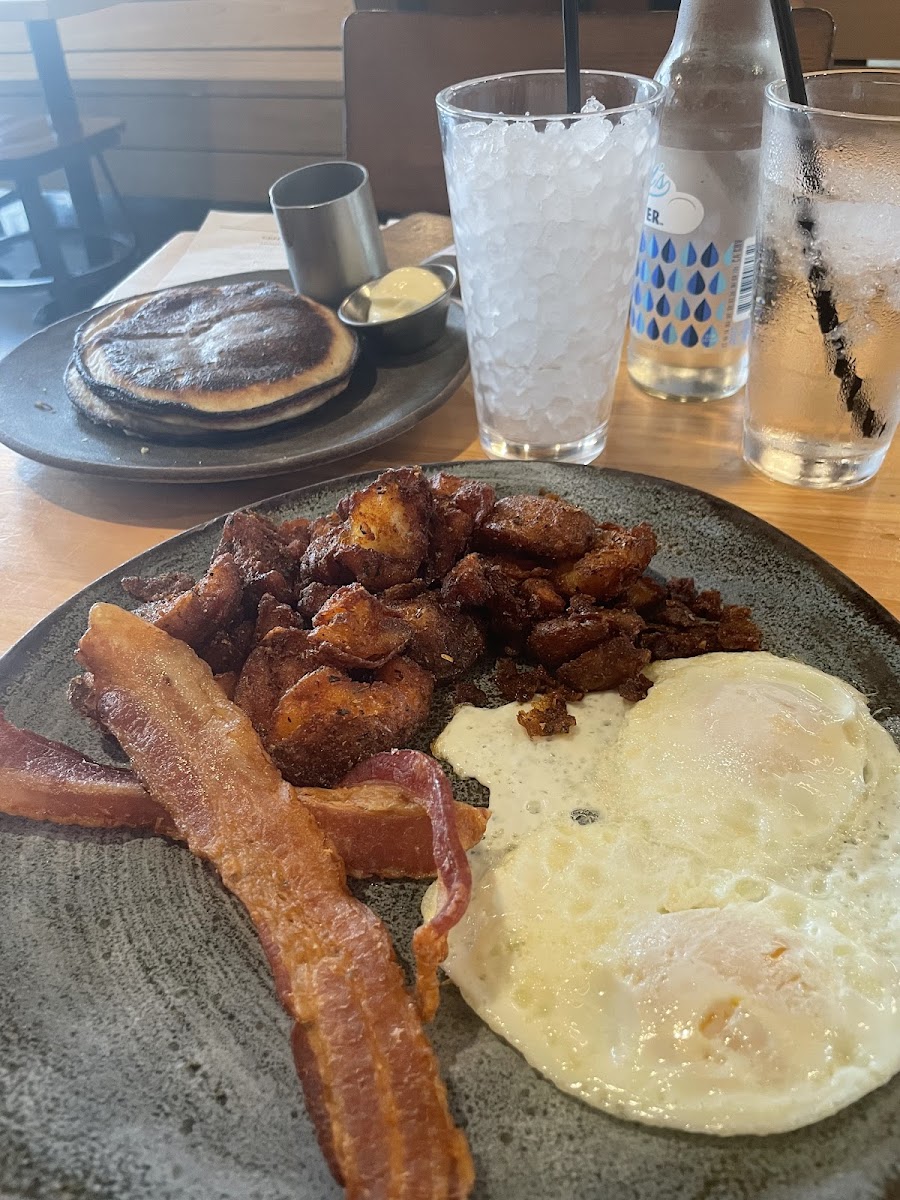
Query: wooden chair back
{"points": [[396, 62]]}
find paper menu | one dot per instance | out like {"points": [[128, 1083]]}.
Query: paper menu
{"points": [[229, 244]]}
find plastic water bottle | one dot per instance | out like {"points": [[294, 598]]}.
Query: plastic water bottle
{"points": [[694, 281]]}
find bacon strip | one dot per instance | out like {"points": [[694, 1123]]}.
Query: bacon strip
{"points": [[378, 829], [386, 830], [424, 780], [48, 781], [368, 1070]]}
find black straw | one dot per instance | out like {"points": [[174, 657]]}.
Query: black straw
{"points": [[840, 353], [571, 55], [790, 51]]}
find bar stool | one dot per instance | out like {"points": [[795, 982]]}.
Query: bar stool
{"points": [[72, 262]]}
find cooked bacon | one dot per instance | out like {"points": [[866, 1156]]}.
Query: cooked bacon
{"points": [[378, 828], [424, 779], [48, 781], [385, 830], [366, 1065]]}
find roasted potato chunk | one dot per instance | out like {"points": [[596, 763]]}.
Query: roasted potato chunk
{"points": [[273, 614], [547, 716], [312, 597], [327, 722], [606, 666], [196, 615], [354, 629], [157, 587], [560, 639], [227, 650], [618, 558], [444, 641], [282, 658], [512, 594], [265, 562], [380, 537], [460, 506], [541, 526]]}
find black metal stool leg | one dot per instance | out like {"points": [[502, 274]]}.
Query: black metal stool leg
{"points": [[128, 226], [63, 112], [43, 230]]}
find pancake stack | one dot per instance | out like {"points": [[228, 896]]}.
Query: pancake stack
{"points": [[197, 360]]}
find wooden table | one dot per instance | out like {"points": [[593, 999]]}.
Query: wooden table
{"points": [[61, 530]]}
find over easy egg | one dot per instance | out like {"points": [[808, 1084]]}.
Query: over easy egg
{"points": [[687, 912]]}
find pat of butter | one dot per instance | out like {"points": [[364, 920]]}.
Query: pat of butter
{"points": [[402, 292]]}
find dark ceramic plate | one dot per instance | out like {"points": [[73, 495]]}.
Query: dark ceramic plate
{"points": [[383, 400], [143, 1055]]}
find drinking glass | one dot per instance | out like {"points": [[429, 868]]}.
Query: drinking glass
{"points": [[547, 209], [823, 395]]}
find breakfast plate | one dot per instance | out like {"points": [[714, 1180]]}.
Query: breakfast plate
{"points": [[143, 1051], [383, 400]]}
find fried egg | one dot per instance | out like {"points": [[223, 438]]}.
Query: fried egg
{"points": [[687, 912]]}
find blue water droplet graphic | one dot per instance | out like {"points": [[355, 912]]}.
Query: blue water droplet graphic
{"points": [[663, 307], [652, 330], [648, 301], [710, 337], [668, 253], [728, 256], [689, 337], [702, 312], [717, 283], [675, 281], [657, 278], [689, 255], [670, 335], [637, 294], [696, 284], [644, 272], [639, 322], [710, 256], [684, 310], [720, 312], [643, 245], [654, 247]]}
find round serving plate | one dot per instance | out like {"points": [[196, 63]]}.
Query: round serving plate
{"points": [[143, 1053], [383, 399]]}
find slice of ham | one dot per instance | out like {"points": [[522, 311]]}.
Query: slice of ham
{"points": [[424, 780], [377, 828], [370, 1076]]}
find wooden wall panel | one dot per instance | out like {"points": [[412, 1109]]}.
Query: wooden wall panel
{"points": [[310, 66], [214, 175], [219, 96], [273, 124], [199, 25]]}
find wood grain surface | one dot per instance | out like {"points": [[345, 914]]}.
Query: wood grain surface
{"points": [[60, 530]]}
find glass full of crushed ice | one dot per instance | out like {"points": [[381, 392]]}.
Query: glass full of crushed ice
{"points": [[547, 209]]}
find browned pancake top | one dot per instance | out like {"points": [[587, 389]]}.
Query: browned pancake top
{"points": [[217, 339]]}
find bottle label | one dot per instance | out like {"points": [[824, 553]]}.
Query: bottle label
{"points": [[695, 272]]}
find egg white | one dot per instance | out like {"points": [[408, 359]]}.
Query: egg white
{"points": [[687, 912]]}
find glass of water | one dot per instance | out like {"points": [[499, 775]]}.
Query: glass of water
{"points": [[547, 210], [823, 395]]}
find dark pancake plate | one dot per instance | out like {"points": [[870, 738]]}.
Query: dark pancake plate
{"points": [[143, 1054], [383, 399]]}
